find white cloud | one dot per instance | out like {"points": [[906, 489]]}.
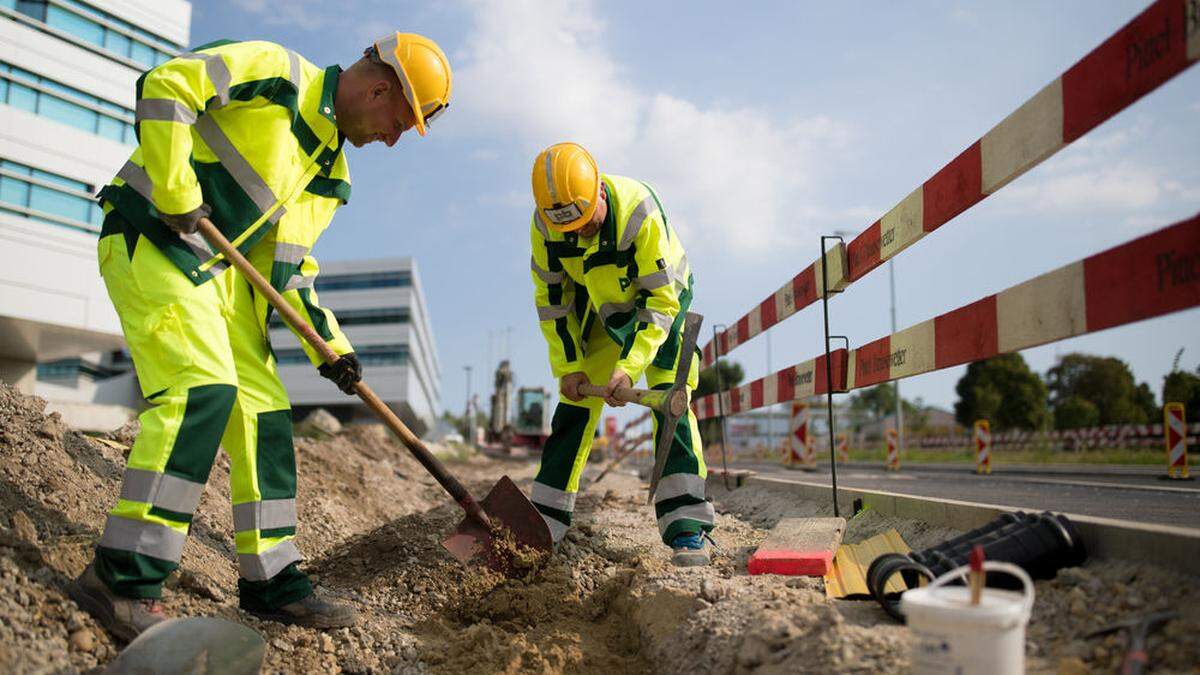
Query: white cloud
{"points": [[732, 178]]}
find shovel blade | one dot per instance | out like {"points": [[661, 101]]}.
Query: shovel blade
{"points": [[472, 543]]}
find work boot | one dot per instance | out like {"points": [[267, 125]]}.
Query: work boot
{"points": [[689, 550], [311, 611], [124, 618]]}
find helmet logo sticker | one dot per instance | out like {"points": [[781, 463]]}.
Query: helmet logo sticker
{"points": [[564, 214]]}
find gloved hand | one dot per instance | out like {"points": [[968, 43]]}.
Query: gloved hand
{"points": [[186, 223], [344, 372]]}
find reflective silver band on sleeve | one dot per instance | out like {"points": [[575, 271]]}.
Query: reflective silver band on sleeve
{"points": [[163, 110], [545, 275], [657, 318], [552, 312], [634, 224], [217, 71]]}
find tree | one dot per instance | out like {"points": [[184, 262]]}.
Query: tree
{"points": [[1183, 387], [731, 376], [1004, 391], [1076, 413], [1104, 381]]}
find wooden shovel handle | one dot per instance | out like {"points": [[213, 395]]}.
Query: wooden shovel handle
{"points": [[655, 399], [293, 318]]}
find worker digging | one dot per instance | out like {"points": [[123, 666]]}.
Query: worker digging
{"points": [[251, 135], [612, 288]]}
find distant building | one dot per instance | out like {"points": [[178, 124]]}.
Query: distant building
{"points": [[67, 78], [381, 308]]}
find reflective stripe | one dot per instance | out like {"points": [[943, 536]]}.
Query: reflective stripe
{"points": [[679, 484], [649, 282], [152, 539], [610, 308], [163, 490], [263, 566], [701, 512], [552, 497], [550, 178], [552, 312], [558, 529], [680, 272], [290, 253], [294, 69], [198, 245], [218, 73], [237, 165], [657, 318], [540, 224], [163, 110], [264, 515], [634, 224], [546, 275], [137, 178], [299, 281]]}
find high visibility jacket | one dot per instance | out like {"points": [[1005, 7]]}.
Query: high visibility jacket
{"points": [[246, 130], [633, 276]]}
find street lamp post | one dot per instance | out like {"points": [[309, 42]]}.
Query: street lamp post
{"points": [[899, 401], [467, 411]]}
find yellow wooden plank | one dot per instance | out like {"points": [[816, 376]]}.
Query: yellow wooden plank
{"points": [[848, 577]]}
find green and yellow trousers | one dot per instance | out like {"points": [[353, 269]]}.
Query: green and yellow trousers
{"points": [[679, 502], [205, 366]]}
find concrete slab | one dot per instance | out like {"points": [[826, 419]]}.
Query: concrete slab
{"points": [[799, 546]]}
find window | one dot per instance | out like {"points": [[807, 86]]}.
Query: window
{"points": [[371, 355], [47, 197], [346, 282], [47, 98], [107, 33], [361, 317]]}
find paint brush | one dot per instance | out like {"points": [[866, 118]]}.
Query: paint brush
{"points": [[977, 576]]}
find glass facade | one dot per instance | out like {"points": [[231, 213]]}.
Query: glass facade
{"points": [[347, 282], [371, 355], [98, 28], [360, 317], [22, 89], [48, 197]]}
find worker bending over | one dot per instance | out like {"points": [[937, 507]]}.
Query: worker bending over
{"points": [[612, 286], [251, 135]]}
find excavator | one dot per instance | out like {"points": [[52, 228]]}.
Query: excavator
{"points": [[526, 427]]}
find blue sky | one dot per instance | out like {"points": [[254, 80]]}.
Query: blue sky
{"points": [[762, 128]]}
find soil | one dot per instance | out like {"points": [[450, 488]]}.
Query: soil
{"points": [[371, 522]]}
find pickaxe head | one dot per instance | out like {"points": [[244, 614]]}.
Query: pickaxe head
{"points": [[675, 401]]}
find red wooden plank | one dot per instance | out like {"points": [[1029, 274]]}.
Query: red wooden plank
{"points": [[966, 334], [954, 189], [1146, 52]]}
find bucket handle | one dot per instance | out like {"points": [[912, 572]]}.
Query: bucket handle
{"points": [[990, 566]]}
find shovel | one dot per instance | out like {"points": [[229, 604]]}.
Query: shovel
{"points": [[491, 528]]}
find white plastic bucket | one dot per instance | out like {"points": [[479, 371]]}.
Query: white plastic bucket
{"points": [[949, 635]]}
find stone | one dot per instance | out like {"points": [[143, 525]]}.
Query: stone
{"points": [[82, 640], [320, 423], [24, 529], [799, 546]]}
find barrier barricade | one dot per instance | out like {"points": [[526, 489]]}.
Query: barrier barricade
{"points": [[1159, 43], [799, 449], [892, 462], [1175, 432], [1144, 278], [983, 447]]}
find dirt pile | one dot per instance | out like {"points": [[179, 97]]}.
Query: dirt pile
{"points": [[371, 522]]}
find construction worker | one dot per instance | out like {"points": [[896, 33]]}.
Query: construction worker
{"points": [[612, 285], [251, 135]]}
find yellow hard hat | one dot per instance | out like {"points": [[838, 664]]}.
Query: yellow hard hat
{"points": [[566, 186], [423, 71]]}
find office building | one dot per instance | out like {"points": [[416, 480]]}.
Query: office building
{"points": [[67, 75], [381, 308]]}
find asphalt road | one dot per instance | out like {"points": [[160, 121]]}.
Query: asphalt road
{"points": [[1127, 493]]}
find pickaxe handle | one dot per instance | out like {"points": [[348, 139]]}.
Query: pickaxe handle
{"points": [[293, 318], [666, 401]]}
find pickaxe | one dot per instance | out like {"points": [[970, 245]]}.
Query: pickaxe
{"points": [[671, 403]]}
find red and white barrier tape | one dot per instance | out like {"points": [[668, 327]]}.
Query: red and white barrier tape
{"points": [[1158, 44], [1152, 275]]}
